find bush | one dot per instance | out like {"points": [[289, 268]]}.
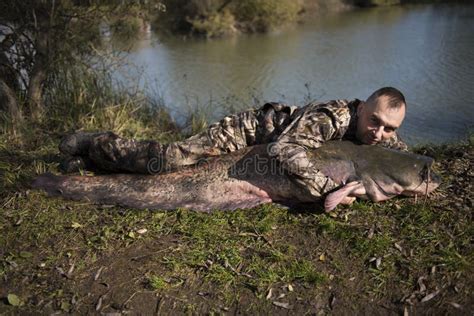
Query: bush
{"points": [[215, 24], [218, 17], [80, 97], [264, 15]]}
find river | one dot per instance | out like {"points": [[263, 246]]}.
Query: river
{"points": [[426, 51]]}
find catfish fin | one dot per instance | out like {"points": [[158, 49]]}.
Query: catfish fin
{"points": [[335, 198]]}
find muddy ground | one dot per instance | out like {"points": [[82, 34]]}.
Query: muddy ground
{"points": [[404, 256]]}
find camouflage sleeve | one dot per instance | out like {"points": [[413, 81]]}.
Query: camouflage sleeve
{"points": [[395, 142], [312, 126]]}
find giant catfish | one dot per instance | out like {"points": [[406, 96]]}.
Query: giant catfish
{"points": [[249, 177]]}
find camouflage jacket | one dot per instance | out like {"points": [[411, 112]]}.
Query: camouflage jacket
{"points": [[310, 126], [290, 131]]}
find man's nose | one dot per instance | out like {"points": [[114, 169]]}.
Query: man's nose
{"points": [[378, 133]]}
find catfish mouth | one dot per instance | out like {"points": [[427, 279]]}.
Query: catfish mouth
{"points": [[422, 184], [425, 187], [429, 182], [377, 190], [385, 194]]}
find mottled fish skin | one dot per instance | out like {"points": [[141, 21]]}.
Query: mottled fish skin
{"points": [[246, 178]]}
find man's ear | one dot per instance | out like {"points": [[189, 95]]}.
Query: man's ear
{"points": [[360, 108]]}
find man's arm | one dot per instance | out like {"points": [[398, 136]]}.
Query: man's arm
{"points": [[312, 126]]}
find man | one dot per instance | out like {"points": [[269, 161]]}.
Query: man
{"points": [[290, 132]]}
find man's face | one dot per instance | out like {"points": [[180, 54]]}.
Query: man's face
{"points": [[377, 121]]}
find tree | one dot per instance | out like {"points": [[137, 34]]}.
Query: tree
{"points": [[38, 36]]}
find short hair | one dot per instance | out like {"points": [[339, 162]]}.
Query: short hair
{"points": [[395, 98]]}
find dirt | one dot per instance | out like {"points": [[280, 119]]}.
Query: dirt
{"points": [[425, 257]]}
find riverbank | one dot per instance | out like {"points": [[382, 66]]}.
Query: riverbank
{"points": [[62, 256], [218, 18]]}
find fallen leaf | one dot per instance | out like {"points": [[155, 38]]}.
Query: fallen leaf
{"points": [[71, 269], [99, 304], [142, 231], [399, 248], [371, 232], [455, 305], [61, 271], [421, 284], [76, 225], [65, 306], [97, 274], [13, 300], [322, 257], [282, 305], [378, 262], [269, 294], [429, 297], [290, 288]]}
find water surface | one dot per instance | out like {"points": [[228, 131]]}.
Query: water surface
{"points": [[426, 51]]}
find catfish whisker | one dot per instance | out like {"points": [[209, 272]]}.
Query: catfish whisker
{"points": [[427, 185]]}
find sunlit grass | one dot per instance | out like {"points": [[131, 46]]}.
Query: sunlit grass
{"points": [[263, 252]]}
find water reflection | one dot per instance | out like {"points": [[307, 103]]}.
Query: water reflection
{"points": [[426, 51]]}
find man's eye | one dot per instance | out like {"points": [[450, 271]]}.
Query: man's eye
{"points": [[389, 129], [374, 120]]}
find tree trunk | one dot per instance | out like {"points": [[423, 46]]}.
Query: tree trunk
{"points": [[38, 76], [9, 104], [8, 91]]}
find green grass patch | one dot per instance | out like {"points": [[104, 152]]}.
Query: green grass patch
{"points": [[51, 247]]}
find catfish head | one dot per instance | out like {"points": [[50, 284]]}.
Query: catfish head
{"points": [[381, 174]]}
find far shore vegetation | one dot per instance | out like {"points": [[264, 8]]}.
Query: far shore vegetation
{"points": [[217, 18], [56, 256]]}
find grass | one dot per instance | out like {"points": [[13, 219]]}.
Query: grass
{"points": [[366, 255], [246, 255], [65, 256]]}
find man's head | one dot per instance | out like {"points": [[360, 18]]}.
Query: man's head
{"points": [[380, 116]]}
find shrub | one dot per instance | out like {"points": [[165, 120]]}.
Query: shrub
{"points": [[264, 15], [214, 24]]}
